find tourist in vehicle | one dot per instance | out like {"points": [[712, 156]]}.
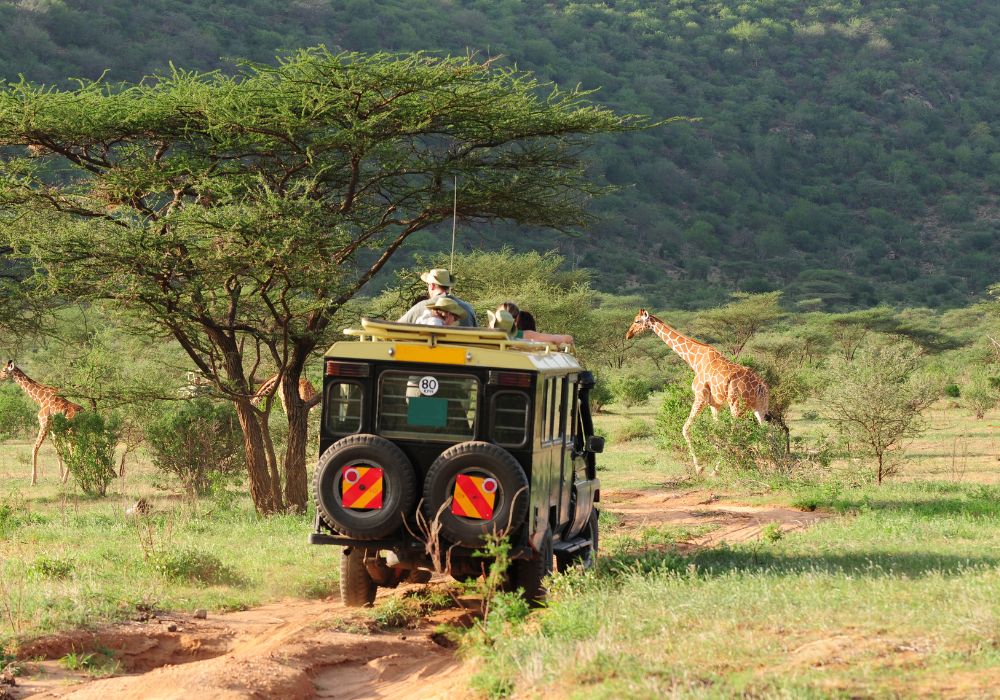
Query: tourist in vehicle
{"points": [[503, 319], [442, 311], [439, 283]]}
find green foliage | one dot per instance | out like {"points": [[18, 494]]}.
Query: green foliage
{"points": [[848, 191], [195, 566], [675, 407], [17, 415], [876, 402], [633, 429], [52, 567], [600, 394], [87, 446], [100, 663], [981, 395], [197, 441], [952, 391], [630, 390]]}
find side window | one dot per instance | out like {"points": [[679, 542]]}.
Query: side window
{"points": [[343, 407], [542, 431], [561, 430], [510, 418], [554, 409]]}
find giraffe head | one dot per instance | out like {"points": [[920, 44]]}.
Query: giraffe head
{"points": [[641, 323], [7, 372]]}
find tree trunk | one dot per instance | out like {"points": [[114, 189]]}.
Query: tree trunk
{"points": [[296, 481], [262, 489]]}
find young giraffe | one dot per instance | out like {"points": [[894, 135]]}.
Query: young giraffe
{"points": [[717, 381], [49, 403]]}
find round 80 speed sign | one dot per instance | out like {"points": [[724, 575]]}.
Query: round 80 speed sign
{"points": [[428, 386]]}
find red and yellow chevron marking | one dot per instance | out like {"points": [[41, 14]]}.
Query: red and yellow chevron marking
{"points": [[474, 497], [361, 488]]}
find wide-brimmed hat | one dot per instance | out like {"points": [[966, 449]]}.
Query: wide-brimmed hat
{"points": [[439, 276], [501, 320], [443, 303]]}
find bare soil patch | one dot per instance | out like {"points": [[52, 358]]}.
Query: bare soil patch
{"points": [[732, 522]]}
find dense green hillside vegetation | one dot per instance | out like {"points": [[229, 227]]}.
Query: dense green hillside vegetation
{"points": [[844, 152]]}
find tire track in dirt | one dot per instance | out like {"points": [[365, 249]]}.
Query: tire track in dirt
{"points": [[297, 649]]}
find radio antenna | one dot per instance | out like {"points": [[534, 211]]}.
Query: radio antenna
{"points": [[454, 223]]}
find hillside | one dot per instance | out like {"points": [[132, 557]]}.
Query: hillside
{"points": [[845, 153]]}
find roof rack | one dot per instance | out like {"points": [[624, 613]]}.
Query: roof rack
{"points": [[380, 330]]}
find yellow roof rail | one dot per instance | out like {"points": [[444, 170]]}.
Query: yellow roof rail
{"points": [[377, 330]]}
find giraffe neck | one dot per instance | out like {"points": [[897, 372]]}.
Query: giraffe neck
{"points": [[687, 348], [33, 389]]}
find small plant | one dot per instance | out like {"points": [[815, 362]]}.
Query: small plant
{"points": [[395, 613], [500, 609], [600, 396], [810, 415], [952, 391], [52, 567], [772, 532], [99, 663], [195, 566], [86, 443]]}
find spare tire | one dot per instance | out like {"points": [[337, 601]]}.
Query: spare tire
{"points": [[365, 486], [495, 472]]}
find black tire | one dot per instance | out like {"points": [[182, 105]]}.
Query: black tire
{"points": [[399, 486], [529, 574], [587, 558], [357, 588], [476, 459]]}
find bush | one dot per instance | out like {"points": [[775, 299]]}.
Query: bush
{"points": [[195, 566], [981, 397], [630, 390], [952, 391], [600, 395], [633, 429], [198, 442], [17, 415], [86, 443]]}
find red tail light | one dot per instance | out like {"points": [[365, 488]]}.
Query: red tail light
{"points": [[518, 379], [346, 369]]}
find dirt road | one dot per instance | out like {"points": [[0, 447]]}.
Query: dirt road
{"points": [[298, 649]]}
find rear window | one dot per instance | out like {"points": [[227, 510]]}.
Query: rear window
{"points": [[510, 418], [432, 406], [343, 407]]}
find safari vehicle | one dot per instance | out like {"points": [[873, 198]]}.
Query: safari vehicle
{"points": [[432, 437]]}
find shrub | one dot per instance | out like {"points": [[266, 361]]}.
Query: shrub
{"points": [[981, 397], [195, 566], [17, 415], [86, 443], [630, 390], [600, 395], [197, 441], [952, 391], [633, 429]]}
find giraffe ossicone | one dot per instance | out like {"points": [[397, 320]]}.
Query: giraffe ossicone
{"points": [[718, 382]]}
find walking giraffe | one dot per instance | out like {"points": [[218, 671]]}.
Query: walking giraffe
{"points": [[49, 404], [717, 381]]}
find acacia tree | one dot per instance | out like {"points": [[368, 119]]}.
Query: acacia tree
{"points": [[877, 401], [736, 323], [239, 213]]}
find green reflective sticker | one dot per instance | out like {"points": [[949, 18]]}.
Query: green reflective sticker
{"points": [[427, 411]]}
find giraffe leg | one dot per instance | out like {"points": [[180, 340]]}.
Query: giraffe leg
{"points": [[700, 400], [715, 413], [43, 430]]}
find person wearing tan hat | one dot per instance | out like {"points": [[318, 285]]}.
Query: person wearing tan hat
{"points": [[442, 311], [439, 283], [503, 320]]}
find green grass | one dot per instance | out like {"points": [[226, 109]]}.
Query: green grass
{"points": [[893, 595], [68, 560]]}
